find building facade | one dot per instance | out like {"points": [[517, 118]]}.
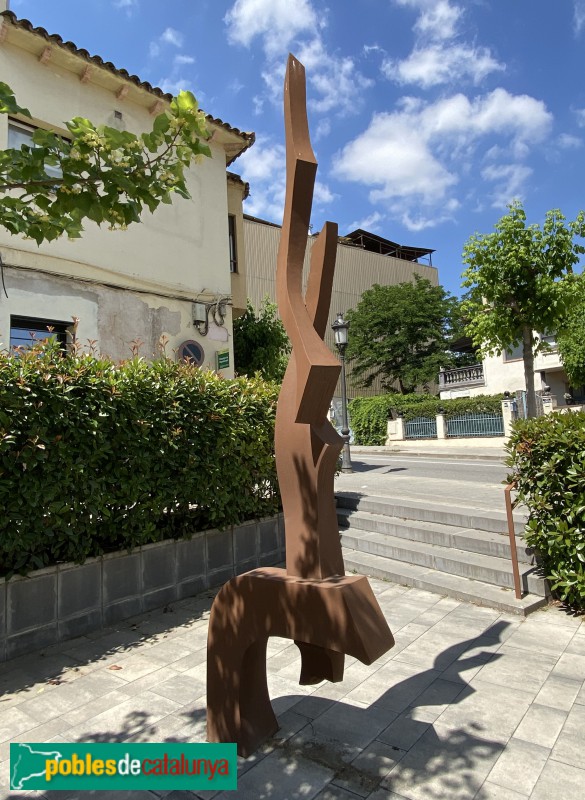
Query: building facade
{"points": [[169, 276], [363, 259]]}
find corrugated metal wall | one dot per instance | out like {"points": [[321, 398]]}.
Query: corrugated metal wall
{"points": [[356, 270]]}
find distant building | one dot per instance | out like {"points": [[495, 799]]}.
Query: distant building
{"points": [[363, 259]]}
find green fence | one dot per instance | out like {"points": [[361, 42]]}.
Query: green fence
{"points": [[420, 428], [475, 425]]}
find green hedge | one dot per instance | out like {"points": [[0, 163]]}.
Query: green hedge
{"points": [[96, 456], [547, 457], [369, 415]]}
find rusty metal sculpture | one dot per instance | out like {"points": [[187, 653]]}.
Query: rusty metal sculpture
{"points": [[326, 613]]}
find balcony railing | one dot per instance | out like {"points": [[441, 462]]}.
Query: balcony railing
{"points": [[463, 376]]}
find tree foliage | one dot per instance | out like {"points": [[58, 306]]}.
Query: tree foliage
{"points": [[261, 344], [520, 281], [107, 175], [400, 334], [571, 336]]}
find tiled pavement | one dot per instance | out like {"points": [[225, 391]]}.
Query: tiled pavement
{"points": [[470, 703]]}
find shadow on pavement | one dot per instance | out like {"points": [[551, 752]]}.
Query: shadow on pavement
{"points": [[391, 744]]}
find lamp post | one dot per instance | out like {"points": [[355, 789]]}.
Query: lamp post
{"points": [[340, 329]]}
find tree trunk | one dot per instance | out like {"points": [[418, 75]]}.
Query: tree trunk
{"points": [[528, 357]]}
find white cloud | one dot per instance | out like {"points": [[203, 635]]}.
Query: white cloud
{"points": [[182, 59], [579, 15], [128, 5], [509, 179], [580, 114], [417, 155], [369, 223], [435, 59], [438, 20], [171, 36], [436, 64], [264, 167], [277, 22], [334, 81], [567, 141]]}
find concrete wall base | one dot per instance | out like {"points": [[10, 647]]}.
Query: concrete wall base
{"points": [[70, 600]]}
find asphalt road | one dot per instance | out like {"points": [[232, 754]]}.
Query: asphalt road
{"points": [[484, 473]]}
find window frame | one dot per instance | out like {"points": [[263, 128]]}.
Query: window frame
{"points": [[232, 244], [38, 325], [51, 171]]}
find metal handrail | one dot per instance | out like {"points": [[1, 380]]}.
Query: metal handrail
{"points": [[512, 535]]}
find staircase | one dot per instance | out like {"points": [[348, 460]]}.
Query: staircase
{"points": [[460, 552]]}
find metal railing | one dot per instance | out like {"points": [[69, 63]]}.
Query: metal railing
{"points": [[420, 428], [475, 425], [463, 376]]}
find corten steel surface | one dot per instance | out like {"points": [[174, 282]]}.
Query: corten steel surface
{"points": [[326, 613]]}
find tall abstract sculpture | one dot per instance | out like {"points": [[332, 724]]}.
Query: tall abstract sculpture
{"points": [[312, 601]]}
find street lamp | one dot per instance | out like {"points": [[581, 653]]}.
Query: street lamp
{"points": [[340, 329]]}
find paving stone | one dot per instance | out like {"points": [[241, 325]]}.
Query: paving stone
{"points": [[559, 780], [519, 766], [95, 707], [14, 721], [343, 730], [312, 706], [491, 791], [508, 668], [576, 647], [487, 710], [537, 634], [125, 719], [395, 686], [277, 775], [570, 666], [444, 764], [334, 792], [179, 688], [406, 729], [71, 695], [569, 745], [541, 725], [558, 692]]}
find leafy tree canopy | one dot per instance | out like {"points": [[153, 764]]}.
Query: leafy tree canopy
{"points": [[106, 175], [520, 280], [571, 336], [400, 334], [261, 344]]}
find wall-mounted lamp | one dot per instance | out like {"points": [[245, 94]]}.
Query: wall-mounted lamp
{"points": [[202, 312]]}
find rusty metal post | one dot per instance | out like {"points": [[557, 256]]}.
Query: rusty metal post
{"points": [[512, 535]]}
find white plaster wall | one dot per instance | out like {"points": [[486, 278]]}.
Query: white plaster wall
{"points": [[182, 249]]}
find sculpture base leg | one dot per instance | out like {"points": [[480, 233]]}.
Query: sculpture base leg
{"points": [[326, 618]]}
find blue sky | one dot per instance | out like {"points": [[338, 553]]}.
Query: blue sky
{"points": [[427, 116]]}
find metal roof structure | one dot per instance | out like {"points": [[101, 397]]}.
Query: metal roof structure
{"points": [[377, 244]]}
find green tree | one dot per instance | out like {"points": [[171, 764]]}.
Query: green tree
{"points": [[261, 344], [400, 334], [520, 280], [106, 175], [571, 336]]}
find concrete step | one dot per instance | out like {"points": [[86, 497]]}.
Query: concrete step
{"points": [[425, 510], [462, 563], [442, 583], [477, 541]]}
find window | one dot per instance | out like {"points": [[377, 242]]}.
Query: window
{"points": [[550, 339], [19, 134], [232, 239], [26, 330], [515, 354]]}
